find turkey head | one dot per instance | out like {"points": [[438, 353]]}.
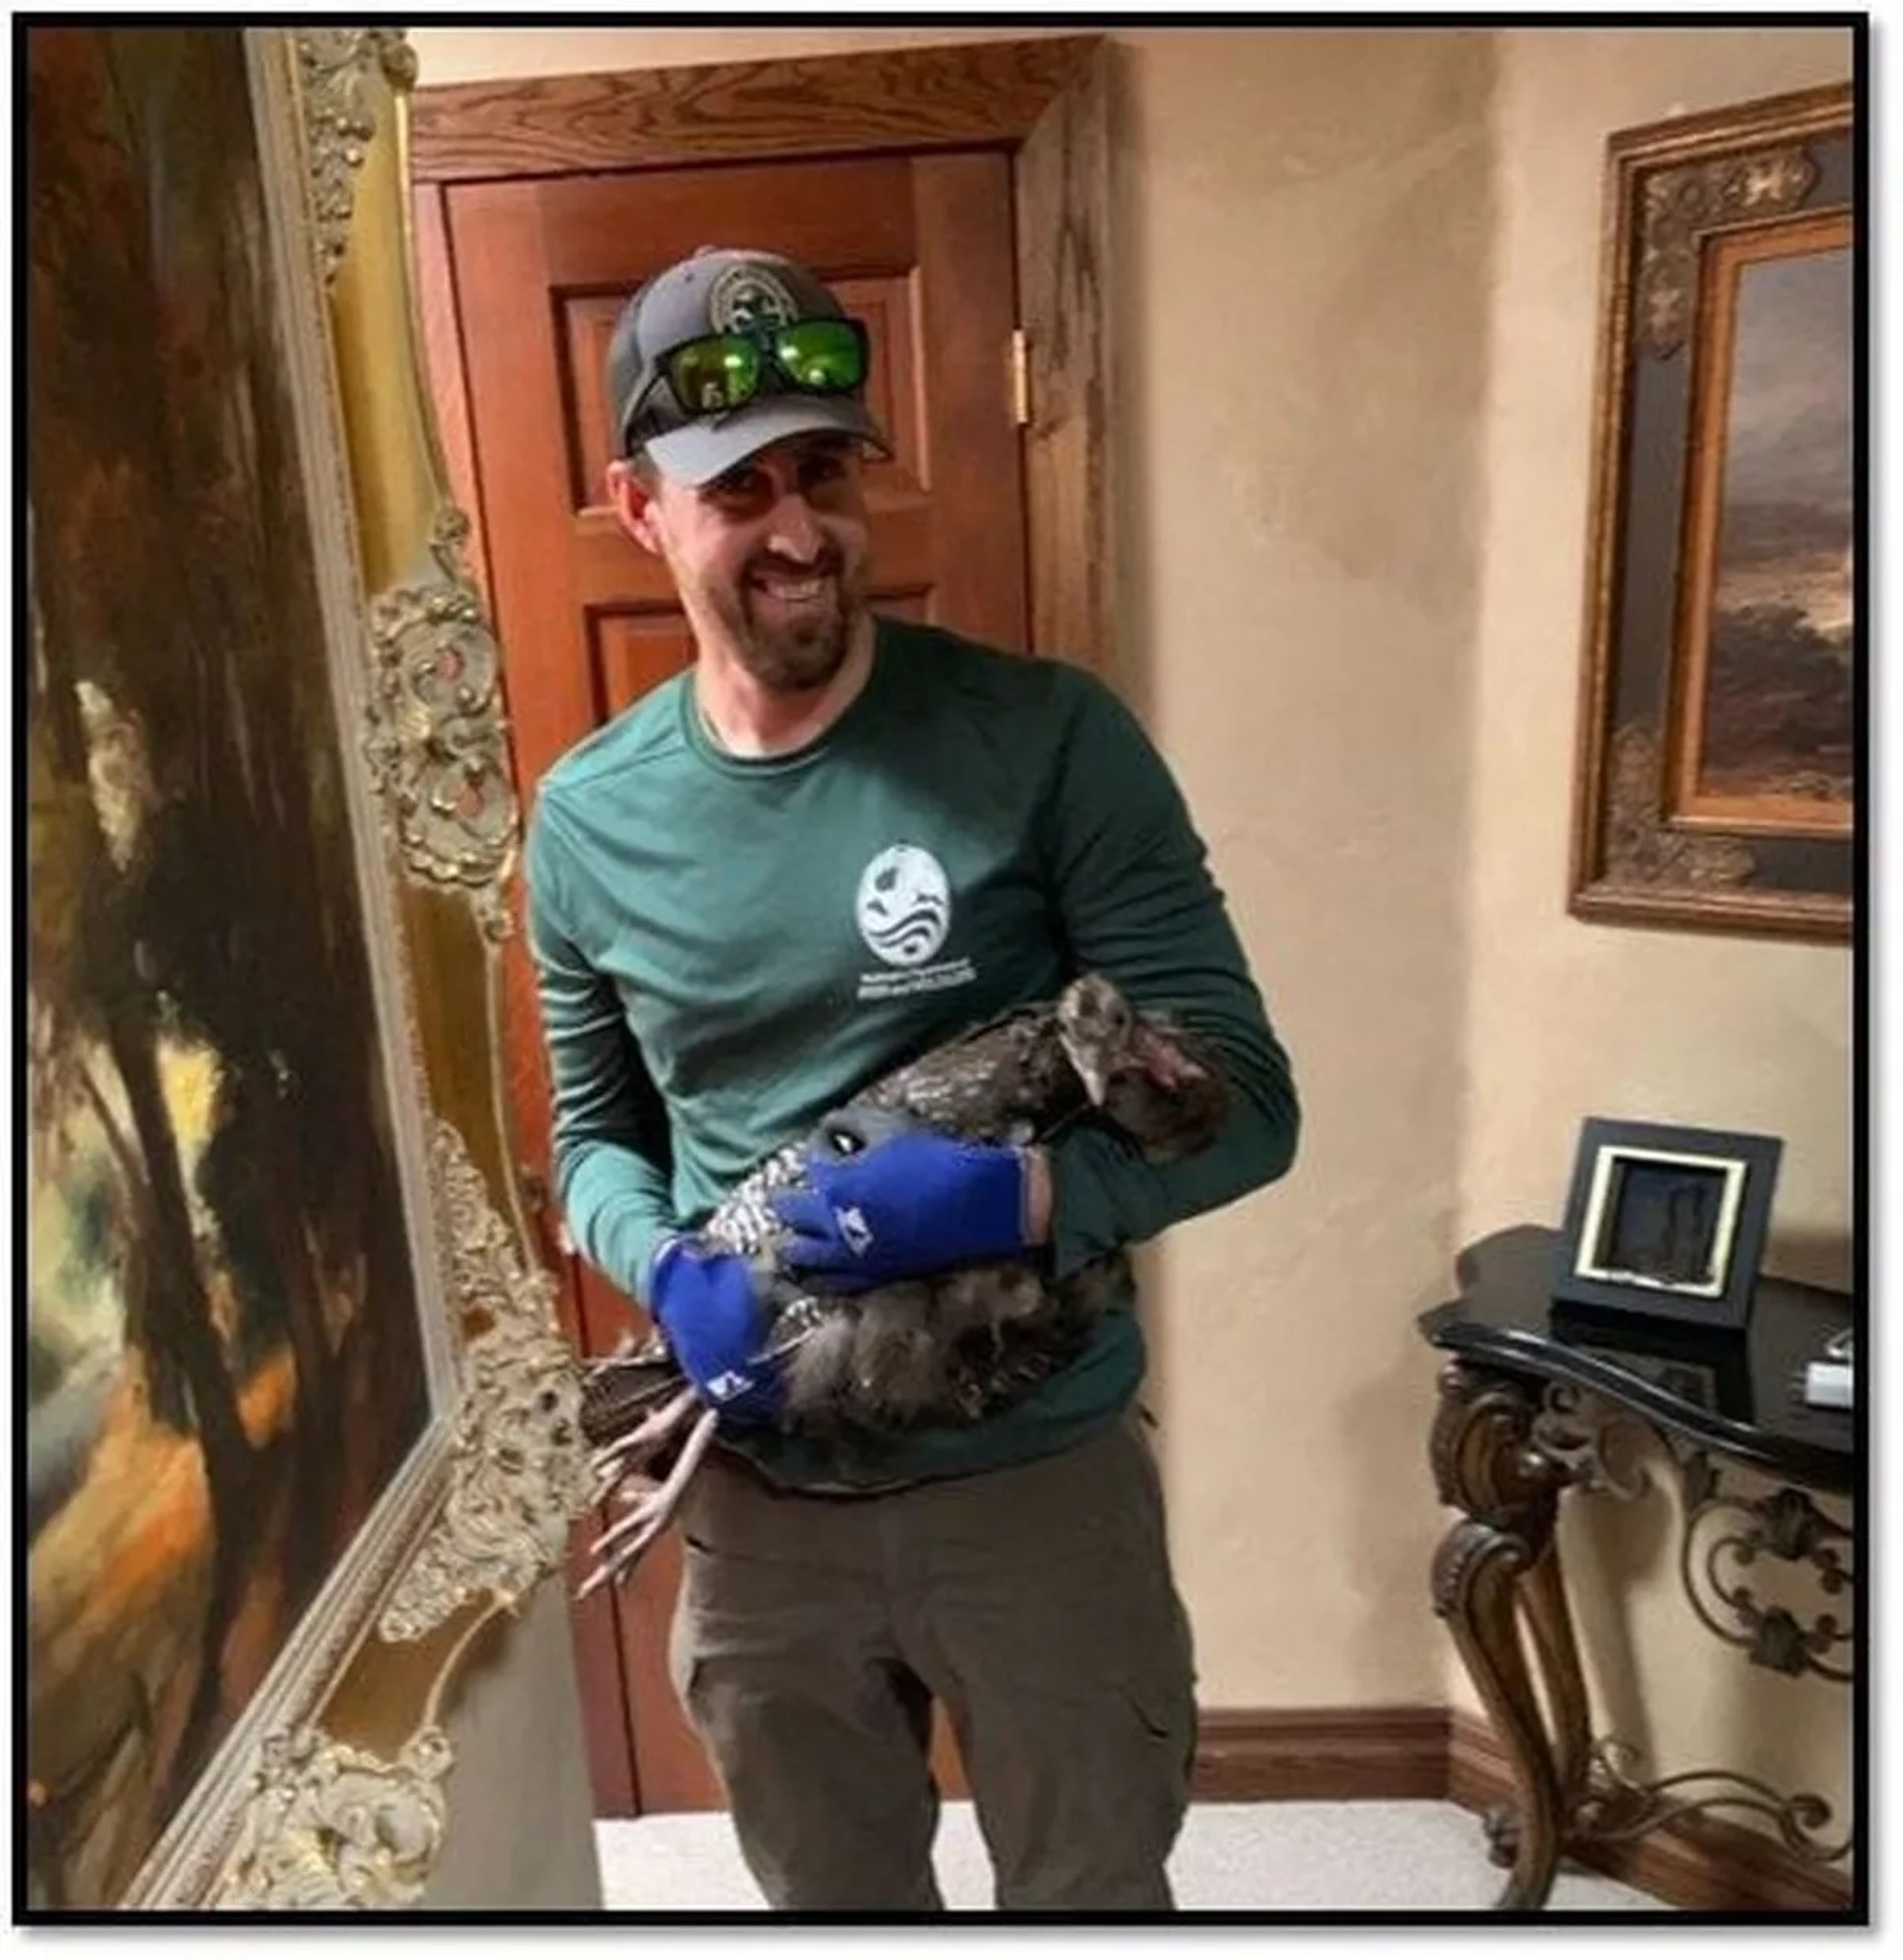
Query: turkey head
{"points": [[1142, 1071]]}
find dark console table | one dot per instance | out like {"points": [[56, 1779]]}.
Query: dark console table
{"points": [[1531, 1393]]}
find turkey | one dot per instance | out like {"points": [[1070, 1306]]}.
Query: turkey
{"points": [[951, 1348]]}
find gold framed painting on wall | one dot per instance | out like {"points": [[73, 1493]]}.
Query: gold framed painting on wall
{"points": [[298, 1424], [1716, 767]]}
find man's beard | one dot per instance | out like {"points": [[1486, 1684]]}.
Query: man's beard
{"points": [[799, 655]]}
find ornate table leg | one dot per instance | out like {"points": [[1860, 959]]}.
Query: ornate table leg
{"points": [[1488, 1466], [1724, 1537], [1543, 1593]]}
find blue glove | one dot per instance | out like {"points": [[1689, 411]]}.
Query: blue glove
{"points": [[916, 1203], [705, 1303]]}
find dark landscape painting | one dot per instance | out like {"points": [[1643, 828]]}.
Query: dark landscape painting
{"points": [[224, 1360], [1777, 723]]}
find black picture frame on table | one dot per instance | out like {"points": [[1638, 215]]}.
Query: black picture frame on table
{"points": [[1665, 1222]]}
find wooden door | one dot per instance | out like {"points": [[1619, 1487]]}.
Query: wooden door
{"points": [[921, 247]]}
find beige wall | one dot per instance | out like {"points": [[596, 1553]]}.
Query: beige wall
{"points": [[519, 1834], [1685, 1027], [1303, 283], [1354, 290], [1566, 1019]]}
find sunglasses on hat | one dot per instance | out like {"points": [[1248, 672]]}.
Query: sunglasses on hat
{"points": [[715, 373]]}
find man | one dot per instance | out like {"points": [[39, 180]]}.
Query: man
{"points": [[837, 841]]}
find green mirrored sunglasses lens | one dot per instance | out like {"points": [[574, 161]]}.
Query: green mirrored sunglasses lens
{"points": [[713, 374], [826, 356]]}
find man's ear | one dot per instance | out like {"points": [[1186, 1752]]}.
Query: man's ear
{"points": [[635, 505]]}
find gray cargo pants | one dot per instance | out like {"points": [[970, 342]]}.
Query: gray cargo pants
{"points": [[1036, 1603]]}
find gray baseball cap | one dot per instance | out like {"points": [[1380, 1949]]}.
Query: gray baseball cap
{"points": [[719, 291]]}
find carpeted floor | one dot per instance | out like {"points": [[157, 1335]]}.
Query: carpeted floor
{"points": [[1292, 1858]]}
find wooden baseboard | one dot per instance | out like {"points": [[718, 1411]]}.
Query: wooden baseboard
{"points": [[1319, 1756], [1343, 1754]]}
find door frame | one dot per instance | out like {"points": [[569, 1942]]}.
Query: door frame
{"points": [[1050, 103]]}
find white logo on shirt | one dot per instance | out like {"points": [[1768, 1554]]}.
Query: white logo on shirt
{"points": [[904, 906], [724, 1387]]}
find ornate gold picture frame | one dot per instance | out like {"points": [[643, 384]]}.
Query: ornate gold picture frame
{"points": [[300, 1423], [1717, 768]]}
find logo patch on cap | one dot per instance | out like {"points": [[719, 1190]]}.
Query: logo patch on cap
{"points": [[746, 297]]}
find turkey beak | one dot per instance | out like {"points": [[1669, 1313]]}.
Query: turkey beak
{"points": [[1096, 1078]]}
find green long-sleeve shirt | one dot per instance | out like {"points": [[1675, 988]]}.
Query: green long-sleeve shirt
{"points": [[728, 947]]}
